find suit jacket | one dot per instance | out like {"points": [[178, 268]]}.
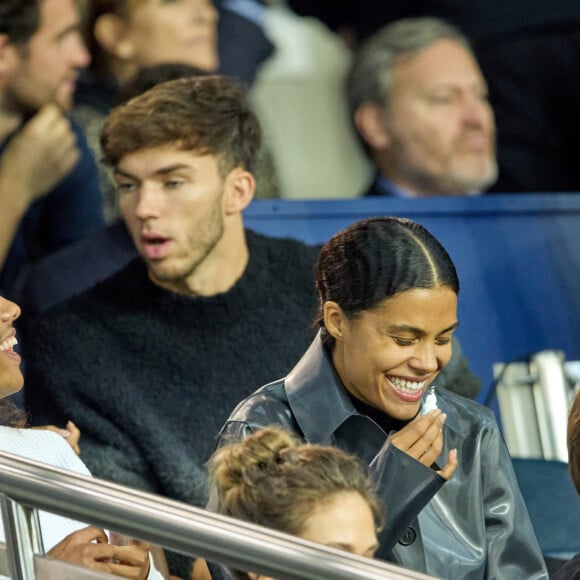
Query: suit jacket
{"points": [[379, 187]]}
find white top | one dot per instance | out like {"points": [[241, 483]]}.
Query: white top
{"points": [[50, 448]]}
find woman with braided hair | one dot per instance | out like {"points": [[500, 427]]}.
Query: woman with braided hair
{"points": [[388, 293]]}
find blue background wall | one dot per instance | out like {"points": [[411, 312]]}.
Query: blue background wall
{"points": [[518, 259]]}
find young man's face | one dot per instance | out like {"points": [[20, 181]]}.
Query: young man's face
{"points": [[47, 67], [173, 204], [439, 123]]}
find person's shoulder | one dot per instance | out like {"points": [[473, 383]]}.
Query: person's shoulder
{"points": [[286, 256], [43, 446], [117, 289], [285, 245], [284, 265], [378, 187], [74, 268], [264, 404], [463, 403], [465, 413]]}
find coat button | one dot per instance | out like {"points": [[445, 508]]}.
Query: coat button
{"points": [[408, 537]]}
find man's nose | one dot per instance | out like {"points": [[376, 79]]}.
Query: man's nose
{"points": [[149, 203]]}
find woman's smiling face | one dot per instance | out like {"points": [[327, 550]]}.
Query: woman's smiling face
{"points": [[389, 355], [11, 379]]}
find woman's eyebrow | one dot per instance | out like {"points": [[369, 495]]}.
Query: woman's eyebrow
{"points": [[417, 331], [405, 328]]}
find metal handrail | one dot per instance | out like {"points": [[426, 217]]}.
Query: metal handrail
{"points": [[182, 528]]}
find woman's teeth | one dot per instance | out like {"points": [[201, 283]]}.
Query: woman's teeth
{"points": [[405, 386], [9, 343]]}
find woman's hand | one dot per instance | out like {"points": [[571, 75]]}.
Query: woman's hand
{"points": [[422, 439], [71, 434], [90, 547]]}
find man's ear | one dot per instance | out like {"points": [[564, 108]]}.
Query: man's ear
{"points": [[110, 32], [369, 119], [239, 187], [334, 319]]}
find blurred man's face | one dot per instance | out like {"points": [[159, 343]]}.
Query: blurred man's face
{"points": [[439, 124], [47, 67]]}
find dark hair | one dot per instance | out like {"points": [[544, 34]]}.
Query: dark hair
{"points": [[209, 114], [19, 19], [11, 415], [274, 480], [574, 441], [147, 77], [376, 258]]}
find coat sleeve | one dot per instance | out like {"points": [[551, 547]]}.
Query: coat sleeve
{"points": [[405, 486], [512, 548]]}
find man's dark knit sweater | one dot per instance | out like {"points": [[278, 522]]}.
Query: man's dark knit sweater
{"points": [[150, 376]]}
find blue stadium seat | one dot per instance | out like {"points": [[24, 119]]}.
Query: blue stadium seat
{"points": [[553, 503]]}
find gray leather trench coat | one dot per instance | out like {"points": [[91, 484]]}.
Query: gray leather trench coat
{"points": [[474, 526]]}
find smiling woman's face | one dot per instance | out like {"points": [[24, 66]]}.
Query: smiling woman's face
{"points": [[387, 356], [11, 379]]}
